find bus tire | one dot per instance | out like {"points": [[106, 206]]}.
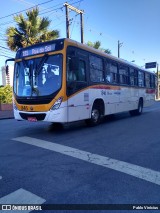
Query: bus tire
{"points": [[139, 110], [95, 116]]}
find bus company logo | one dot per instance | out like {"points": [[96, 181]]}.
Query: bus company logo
{"points": [[31, 108], [103, 92]]}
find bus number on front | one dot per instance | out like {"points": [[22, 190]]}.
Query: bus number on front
{"points": [[24, 108]]}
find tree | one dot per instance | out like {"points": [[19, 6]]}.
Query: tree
{"points": [[97, 45], [108, 51], [6, 94], [31, 30]]}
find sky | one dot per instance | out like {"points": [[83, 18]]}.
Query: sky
{"points": [[135, 23]]}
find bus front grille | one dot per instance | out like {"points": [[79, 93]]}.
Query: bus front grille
{"points": [[39, 117]]}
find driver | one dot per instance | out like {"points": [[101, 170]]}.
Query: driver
{"points": [[50, 76]]}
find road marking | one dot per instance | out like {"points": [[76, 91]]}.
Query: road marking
{"points": [[21, 196], [121, 166]]}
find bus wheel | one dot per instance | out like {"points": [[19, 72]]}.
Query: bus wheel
{"points": [[139, 110], [95, 116]]}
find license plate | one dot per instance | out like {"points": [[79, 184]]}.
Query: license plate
{"points": [[32, 119]]}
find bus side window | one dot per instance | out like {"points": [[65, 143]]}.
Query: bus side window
{"points": [[108, 71], [111, 72], [114, 73], [123, 74], [140, 79], [132, 82], [152, 82], [147, 80], [71, 72], [133, 77], [81, 75], [96, 69]]}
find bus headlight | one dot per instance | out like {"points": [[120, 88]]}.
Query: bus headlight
{"points": [[57, 104]]}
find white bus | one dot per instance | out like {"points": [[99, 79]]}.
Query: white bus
{"points": [[85, 84]]}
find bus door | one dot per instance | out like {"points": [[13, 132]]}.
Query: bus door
{"points": [[77, 92]]}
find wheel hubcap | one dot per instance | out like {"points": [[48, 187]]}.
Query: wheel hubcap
{"points": [[95, 115]]}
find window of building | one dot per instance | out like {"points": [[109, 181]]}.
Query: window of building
{"points": [[96, 69]]}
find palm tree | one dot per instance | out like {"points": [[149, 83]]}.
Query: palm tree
{"points": [[31, 30], [108, 51], [97, 45]]}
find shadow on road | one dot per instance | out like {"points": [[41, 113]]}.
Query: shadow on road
{"points": [[79, 125]]}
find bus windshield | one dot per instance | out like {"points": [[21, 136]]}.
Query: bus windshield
{"points": [[38, 76]]}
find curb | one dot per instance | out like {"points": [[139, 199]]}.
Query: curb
{"points": [[6, 118]]}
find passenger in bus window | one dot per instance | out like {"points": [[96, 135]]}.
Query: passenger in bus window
{"points": [[49, 75], [108, 77], [82, 71], [51, 83], [71, 76]]}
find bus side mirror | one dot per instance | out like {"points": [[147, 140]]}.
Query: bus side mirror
{"points": [[73, 63], [7, 70], [7, 67]]}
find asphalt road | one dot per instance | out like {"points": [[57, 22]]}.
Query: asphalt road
{"points": [[117, 162]]}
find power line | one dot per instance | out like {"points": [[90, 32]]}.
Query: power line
{"points": [[73, 23], [25, 2], [25, 9], [4, 48], [67, 7], [75, 20], [59, 8], [2, 36], [4, 56]]}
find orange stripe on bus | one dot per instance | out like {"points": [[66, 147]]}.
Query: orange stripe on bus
{"points": [[106, 87]]}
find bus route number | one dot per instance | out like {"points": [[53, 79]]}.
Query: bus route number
{"points": [[24, 108]]}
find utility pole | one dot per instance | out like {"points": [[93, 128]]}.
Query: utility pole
{"points": [[119, 46], [82, 32], [67, 21], [68, 6]]}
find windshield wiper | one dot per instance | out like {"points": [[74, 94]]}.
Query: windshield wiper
{"points": [[44, 58], [24, 63]]}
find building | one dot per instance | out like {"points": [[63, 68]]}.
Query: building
{"points": [[7, 79]]}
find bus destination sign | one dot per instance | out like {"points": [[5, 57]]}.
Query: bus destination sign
{"points": [[38, 50]]}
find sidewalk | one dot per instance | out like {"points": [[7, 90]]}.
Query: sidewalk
{"points": [[7, 114]]}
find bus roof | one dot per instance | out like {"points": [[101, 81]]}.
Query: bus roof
{"points": [[100, 52], [58, 44]]}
